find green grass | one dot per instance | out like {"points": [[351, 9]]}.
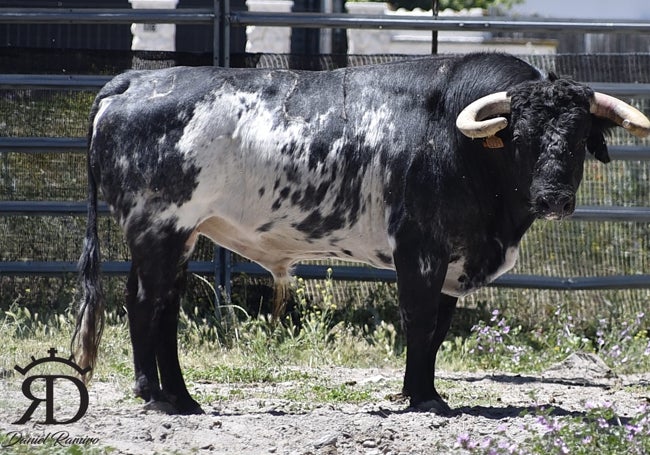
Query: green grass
{"points": [[243, 348], [325, 392]]}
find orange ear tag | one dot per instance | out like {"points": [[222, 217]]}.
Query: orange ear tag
{"points": [[493, 142]]}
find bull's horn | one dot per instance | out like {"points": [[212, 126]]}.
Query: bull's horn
{"points": [[471, 120], [620, 113]]}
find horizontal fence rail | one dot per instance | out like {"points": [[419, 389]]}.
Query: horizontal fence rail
{"points": [[78, 145], [52, 81], [334, 20], [309, 20], [342, 273], [222, 18], [66, 208], [106, 16]]}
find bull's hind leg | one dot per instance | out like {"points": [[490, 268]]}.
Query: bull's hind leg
{"points": [[173, 385], [155, 286], [140, 312]]}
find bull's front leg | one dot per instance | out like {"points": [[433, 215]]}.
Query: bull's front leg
{"points": [[426, 316]]}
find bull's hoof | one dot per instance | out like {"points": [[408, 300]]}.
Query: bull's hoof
{"points": [[437, 406], [160, 406], [191, 407]]}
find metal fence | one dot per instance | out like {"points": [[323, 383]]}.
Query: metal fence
{"points": [[222, 265]]}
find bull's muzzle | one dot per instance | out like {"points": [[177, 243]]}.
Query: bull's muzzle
{"points": [[554, 206]]}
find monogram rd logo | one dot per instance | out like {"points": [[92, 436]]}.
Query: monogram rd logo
{"points": [[49, 381]]}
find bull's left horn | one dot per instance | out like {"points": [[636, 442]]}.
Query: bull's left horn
{"points": [[620, 113], [471, 121]]}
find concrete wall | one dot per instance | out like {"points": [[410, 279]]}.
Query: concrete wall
{"points": [[369, 41], [276, 40], [585, 9]]}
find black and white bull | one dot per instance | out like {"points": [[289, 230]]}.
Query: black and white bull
{"points": [[433, 167]]}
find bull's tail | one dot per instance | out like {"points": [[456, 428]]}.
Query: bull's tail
{"points": [[90, 316], [279, 300]]}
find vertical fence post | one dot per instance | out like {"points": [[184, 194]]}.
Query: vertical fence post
{"points": [[225, 33], [221, 57], [222, 278], [226, 272], [434, 33], [217, 285], [221, 34], [216, 34], [216, 56]]}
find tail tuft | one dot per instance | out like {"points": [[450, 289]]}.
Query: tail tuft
{"points": [[281, 293], [90, 315]]}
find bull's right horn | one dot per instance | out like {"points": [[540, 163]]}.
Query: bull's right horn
{"points": [[471, 121], [620, 113]]}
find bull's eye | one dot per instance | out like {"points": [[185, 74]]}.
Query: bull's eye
{"points": [[579, 149]]}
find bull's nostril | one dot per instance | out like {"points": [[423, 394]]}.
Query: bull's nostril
{"points": [[543, 204], [568, 207]]}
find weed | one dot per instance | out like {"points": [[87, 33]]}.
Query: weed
{"points": [[600, 430], [618, 342], [506, 345]]}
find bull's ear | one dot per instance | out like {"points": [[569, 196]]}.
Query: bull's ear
{"points": [[598, 147], [596, 143]]}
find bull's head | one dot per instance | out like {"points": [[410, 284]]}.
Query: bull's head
{"points": [[553, 122]]}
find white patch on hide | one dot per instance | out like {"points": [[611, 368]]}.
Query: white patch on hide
{"points": [[510, 259], [452, 285], [456, 269], [239, 142], [103, 105], [425, 265], [141, 291], [163, 92]]}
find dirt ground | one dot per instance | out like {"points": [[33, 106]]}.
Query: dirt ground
{"points": [[259, 419]]}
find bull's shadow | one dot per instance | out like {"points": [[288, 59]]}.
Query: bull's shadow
{"points": [[511, 411], [604, 383], [507, 412], [486, 412], [503, 412]]}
